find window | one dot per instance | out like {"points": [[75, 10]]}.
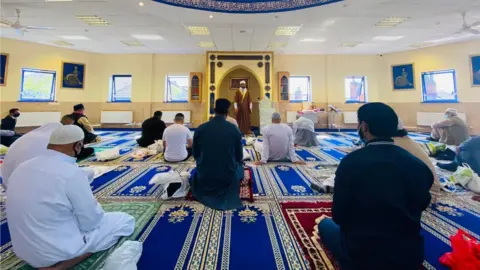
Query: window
{"points": [[177, 89], [439, 86], [299, 88], [37, 85], [121, 88], [356, 89]]}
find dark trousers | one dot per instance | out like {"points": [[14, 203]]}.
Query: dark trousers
{"points": [[189, 154], [86, 152], [7, 141], [330, 237]]}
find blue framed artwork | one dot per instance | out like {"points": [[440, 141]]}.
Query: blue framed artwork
{"points": [[403, 77], [3, 69], [475, 69], [73, 75]]}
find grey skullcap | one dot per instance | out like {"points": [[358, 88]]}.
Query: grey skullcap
{"points": [[276, 116]]}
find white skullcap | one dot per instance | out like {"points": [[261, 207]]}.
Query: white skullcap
{"points": [[451, 111], [243, 82], [66, 135], [400, 124], [276, 116]]}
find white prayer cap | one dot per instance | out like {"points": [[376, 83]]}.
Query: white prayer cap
{"points": [[276, 116], [244, 82], [400, 124], [66, 135], [451, 111]]}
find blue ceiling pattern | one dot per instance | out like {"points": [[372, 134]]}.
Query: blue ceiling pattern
{"points": [[247, 6]]}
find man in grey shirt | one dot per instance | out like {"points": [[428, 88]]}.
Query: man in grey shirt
{"points": [[452, 131]]}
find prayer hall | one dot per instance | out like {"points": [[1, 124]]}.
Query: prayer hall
{"points": [[240, 134]]}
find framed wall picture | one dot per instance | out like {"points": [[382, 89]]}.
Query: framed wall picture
{"points": [[403, 77], [235, 83], [475, 69], [3, 69], [73, 75]]}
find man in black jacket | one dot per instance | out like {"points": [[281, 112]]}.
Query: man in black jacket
{"points": [[379, 195], [152, 130], [9, 123], [80, 120]]}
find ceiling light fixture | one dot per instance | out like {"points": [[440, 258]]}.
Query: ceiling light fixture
{"points": [[141, 4], [206, 44], [198, 30], [148, 37], [62, 43], [74, 37], [421, 45], [211, 16], [58, 1], [387, 38], [287, 30], [312, 40], [277, 45], [391, 21], [133, 43], [349, 44], [93, 20]]}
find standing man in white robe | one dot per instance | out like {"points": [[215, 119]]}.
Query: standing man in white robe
{"points": [[53, 217]]}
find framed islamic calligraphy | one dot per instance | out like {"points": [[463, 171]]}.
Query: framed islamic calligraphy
{"points": [[475, 70], [403, 77], [73, 75], [3, 69]]}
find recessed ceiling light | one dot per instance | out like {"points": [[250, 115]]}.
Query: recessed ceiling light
{"points": [[277, 45], [206, 44], [349, 44], [312, 40], [211, 16], [141, 4], [92, 20], [62, 43], [421, 45], [133, 43], [388, 38], [148, 37], [287, 30], [198, 30], [74, 37], [58, 1], [391, 21]]}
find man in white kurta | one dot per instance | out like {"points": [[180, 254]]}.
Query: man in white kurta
{"points": [[278, 143], [30, 145], [52, 214]]}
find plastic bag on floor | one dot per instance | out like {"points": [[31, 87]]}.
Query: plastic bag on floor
{"points": [[465, 253], [108, 154], [125, 257], [156, 147]]}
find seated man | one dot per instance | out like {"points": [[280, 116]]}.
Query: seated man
{"points": [[80, 120], [468, 153], [86, 151], [55, 220], [379, 195], [304, 132], [8, 124], [232, 120], [177, 141], [452, 131], [152, 130], [278, 143], [30, 145], [217, 149]]}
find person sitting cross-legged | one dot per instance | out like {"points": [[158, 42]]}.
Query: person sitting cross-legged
{"points": [[55, 222], [177, 141], [278, 143], [467, 153], [86, 151], [152, 130], [80, 120], [452, 131], [380, 193], [304, 132]]}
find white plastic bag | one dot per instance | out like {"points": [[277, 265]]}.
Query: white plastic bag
{"points": [[124, 257], [108, 154], [246, 155], [157, 147], [249, 140], [167, 178], [466, 177]]}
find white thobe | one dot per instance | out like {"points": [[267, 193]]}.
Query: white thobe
{"points": [[52, 213], [30, 145], [278, 143]]}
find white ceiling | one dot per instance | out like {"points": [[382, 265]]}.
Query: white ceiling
{"points": [[353, 21]]}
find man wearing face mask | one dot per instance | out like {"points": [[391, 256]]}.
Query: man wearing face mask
{"points": [[452, 131], [54, 219], [9, 123], [379, 195]]}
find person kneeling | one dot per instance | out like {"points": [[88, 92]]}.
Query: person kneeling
{"points": [[55, 221], [177, 141], [278, 143]]}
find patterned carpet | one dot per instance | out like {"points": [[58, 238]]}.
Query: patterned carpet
{"points": [[278, 227]]}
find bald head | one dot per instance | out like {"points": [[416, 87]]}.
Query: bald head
{"points": [[276, 118]]}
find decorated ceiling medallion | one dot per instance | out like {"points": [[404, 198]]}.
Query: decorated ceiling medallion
{"points": [[247, 6]]}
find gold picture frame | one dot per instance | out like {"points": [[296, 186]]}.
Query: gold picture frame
{"points": [[235, 82], [80, 85], [4, 75]]}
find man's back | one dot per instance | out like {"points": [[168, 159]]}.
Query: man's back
{"points": [[380, 193], [278, 139], [153, 128], [9, 123], [458, 131], [176, 137]]}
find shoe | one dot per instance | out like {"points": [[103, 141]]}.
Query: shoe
{"points": [[451, 167], [432, 139]]}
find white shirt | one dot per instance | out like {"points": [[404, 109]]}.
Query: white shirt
{"points": [[232, 120], [30, 145], [278, 143], [50, 207], [176, 137]]}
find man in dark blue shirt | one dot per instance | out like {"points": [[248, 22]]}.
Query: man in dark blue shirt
{"points": [[379, 195]]}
